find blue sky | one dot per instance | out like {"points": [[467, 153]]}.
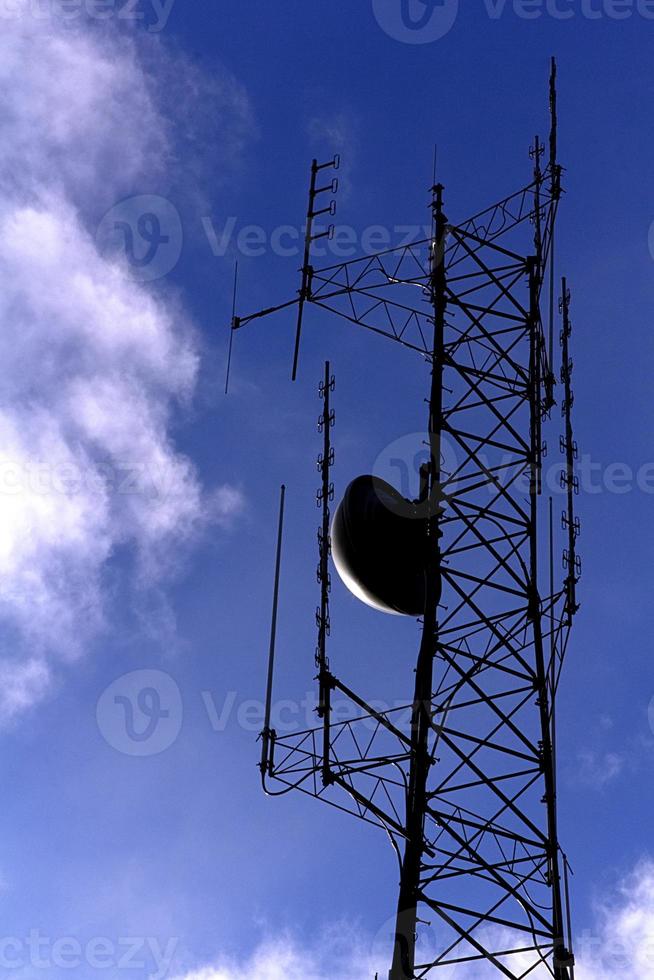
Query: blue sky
{"points": [[140, 504]]}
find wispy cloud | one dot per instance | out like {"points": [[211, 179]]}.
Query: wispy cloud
{"points": [[597, 769], [336, 132], [95, 365], [620, 944], [337, 956]]}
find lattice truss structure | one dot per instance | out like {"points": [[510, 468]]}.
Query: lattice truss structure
{"points": [[487, 871]]}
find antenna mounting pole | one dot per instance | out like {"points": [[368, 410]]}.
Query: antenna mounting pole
{"points": [[324, 498], [268, 735]]}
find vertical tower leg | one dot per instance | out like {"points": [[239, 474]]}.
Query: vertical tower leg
{"points": [[421, 719]]}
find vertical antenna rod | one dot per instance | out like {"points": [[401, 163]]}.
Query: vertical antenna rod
{"points": [[569, 481], [324, 498], [267, 736], [562, 957], [555, 185], [553, 650], [536, 153], [554, 133], [232, 328]]}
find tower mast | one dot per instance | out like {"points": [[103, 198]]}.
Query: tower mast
{"points": [[421, 717], [467, 792]]}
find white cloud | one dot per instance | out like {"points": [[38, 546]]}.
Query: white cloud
{"points": [[125, 107], [336, 957], [332, 133], [97, 128], [597, 770], [621, 944], [94, 365], [338, 131]]}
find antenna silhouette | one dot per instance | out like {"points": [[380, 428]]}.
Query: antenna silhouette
{"points": [[304, 293], [461, 778], [313, 212], [266, 734], [231, 332]]}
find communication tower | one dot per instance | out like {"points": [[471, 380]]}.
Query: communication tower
{"points": [[463, 777]]}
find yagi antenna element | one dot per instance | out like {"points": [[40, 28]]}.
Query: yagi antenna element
{"points": [[314, 211]]}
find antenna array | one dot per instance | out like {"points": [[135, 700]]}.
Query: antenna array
{"points": [[462, 778]]}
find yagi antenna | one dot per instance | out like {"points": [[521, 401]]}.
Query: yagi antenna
{"points": [[231, 329], [313, 212], [304, 295]]}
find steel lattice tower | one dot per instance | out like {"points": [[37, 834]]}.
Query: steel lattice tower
{"points": [[463, 778]]}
